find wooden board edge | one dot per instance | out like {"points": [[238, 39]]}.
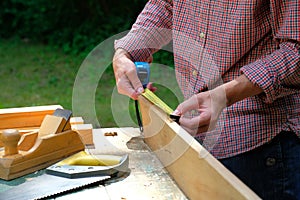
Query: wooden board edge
{"points": [[29, 109], [165, 137], [25, 116]]}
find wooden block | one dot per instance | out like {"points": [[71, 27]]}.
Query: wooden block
{"points": [[85, 131], [195, 170], [76, 120], [51, 125], [25, 116], [27, 141]]}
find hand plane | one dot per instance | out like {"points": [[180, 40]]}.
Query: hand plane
{"points": [[53, 141]]}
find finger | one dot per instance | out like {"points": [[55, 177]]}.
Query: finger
{"points": [[192, 132], [197, 131], [134, 79], [124, 70], [151, 87], [203, 119], [202, 129], [125, 88], [187, 105]]}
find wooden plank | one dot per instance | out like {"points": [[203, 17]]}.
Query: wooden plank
{"points": [[195, 170], [25, 116], [84, 130], [76, 120]]}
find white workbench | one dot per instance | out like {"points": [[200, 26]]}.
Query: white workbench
{"points": [[146, 179]]}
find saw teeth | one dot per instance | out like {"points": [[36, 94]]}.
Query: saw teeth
{"points": [[48, 186], [64, 191]]}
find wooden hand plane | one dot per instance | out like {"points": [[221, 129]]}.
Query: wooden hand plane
{"points": [[27, 151]]}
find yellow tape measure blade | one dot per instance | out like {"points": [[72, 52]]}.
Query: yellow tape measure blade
{"points": [[148, 94]]}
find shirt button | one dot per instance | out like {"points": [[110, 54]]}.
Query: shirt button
{"points": [[195, 72], [202, 35], [270, 162]]}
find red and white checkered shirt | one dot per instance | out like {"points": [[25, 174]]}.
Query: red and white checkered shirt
{"points": [[223, 39]]}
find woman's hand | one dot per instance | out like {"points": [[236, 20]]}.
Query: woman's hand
{"points": [[127, 80], [210, 104], [207, 107]]}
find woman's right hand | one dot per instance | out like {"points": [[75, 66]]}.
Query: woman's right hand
{"points": [[127, 80]]}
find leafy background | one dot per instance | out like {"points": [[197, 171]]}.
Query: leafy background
{"points": [[43, 43], [74, 25]]}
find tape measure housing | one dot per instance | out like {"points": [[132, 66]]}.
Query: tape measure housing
{"points": [[143, 72]]}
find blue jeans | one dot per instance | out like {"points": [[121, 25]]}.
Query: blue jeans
{"points": [[272, 171]]}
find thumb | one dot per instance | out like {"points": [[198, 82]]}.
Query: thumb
{"points": [[134, 80], [187, 105]]}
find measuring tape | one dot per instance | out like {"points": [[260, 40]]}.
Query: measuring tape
{"points": [[143, 72], [148, 94]]}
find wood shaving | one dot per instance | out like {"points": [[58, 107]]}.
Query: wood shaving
{"points": [[111, 134]]}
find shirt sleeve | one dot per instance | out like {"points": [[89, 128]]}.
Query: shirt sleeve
{"points": [[151, 31], [278, 74]]}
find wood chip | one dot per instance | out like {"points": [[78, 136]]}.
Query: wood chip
{"points": [[111, 134]]}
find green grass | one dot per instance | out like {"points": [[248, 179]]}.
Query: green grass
{"points": [[35, 74]]}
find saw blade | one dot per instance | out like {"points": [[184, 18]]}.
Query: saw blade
{"points": [[46, 186], [80, 171]]}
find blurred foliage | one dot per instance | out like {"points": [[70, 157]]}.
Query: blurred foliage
{"points": [[73, 25], [43, 43]]}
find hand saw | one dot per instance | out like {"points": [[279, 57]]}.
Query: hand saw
{"points": [[45, 186], [77, 171]]}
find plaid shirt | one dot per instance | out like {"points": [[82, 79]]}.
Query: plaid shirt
{"points": [[225, 39]]}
